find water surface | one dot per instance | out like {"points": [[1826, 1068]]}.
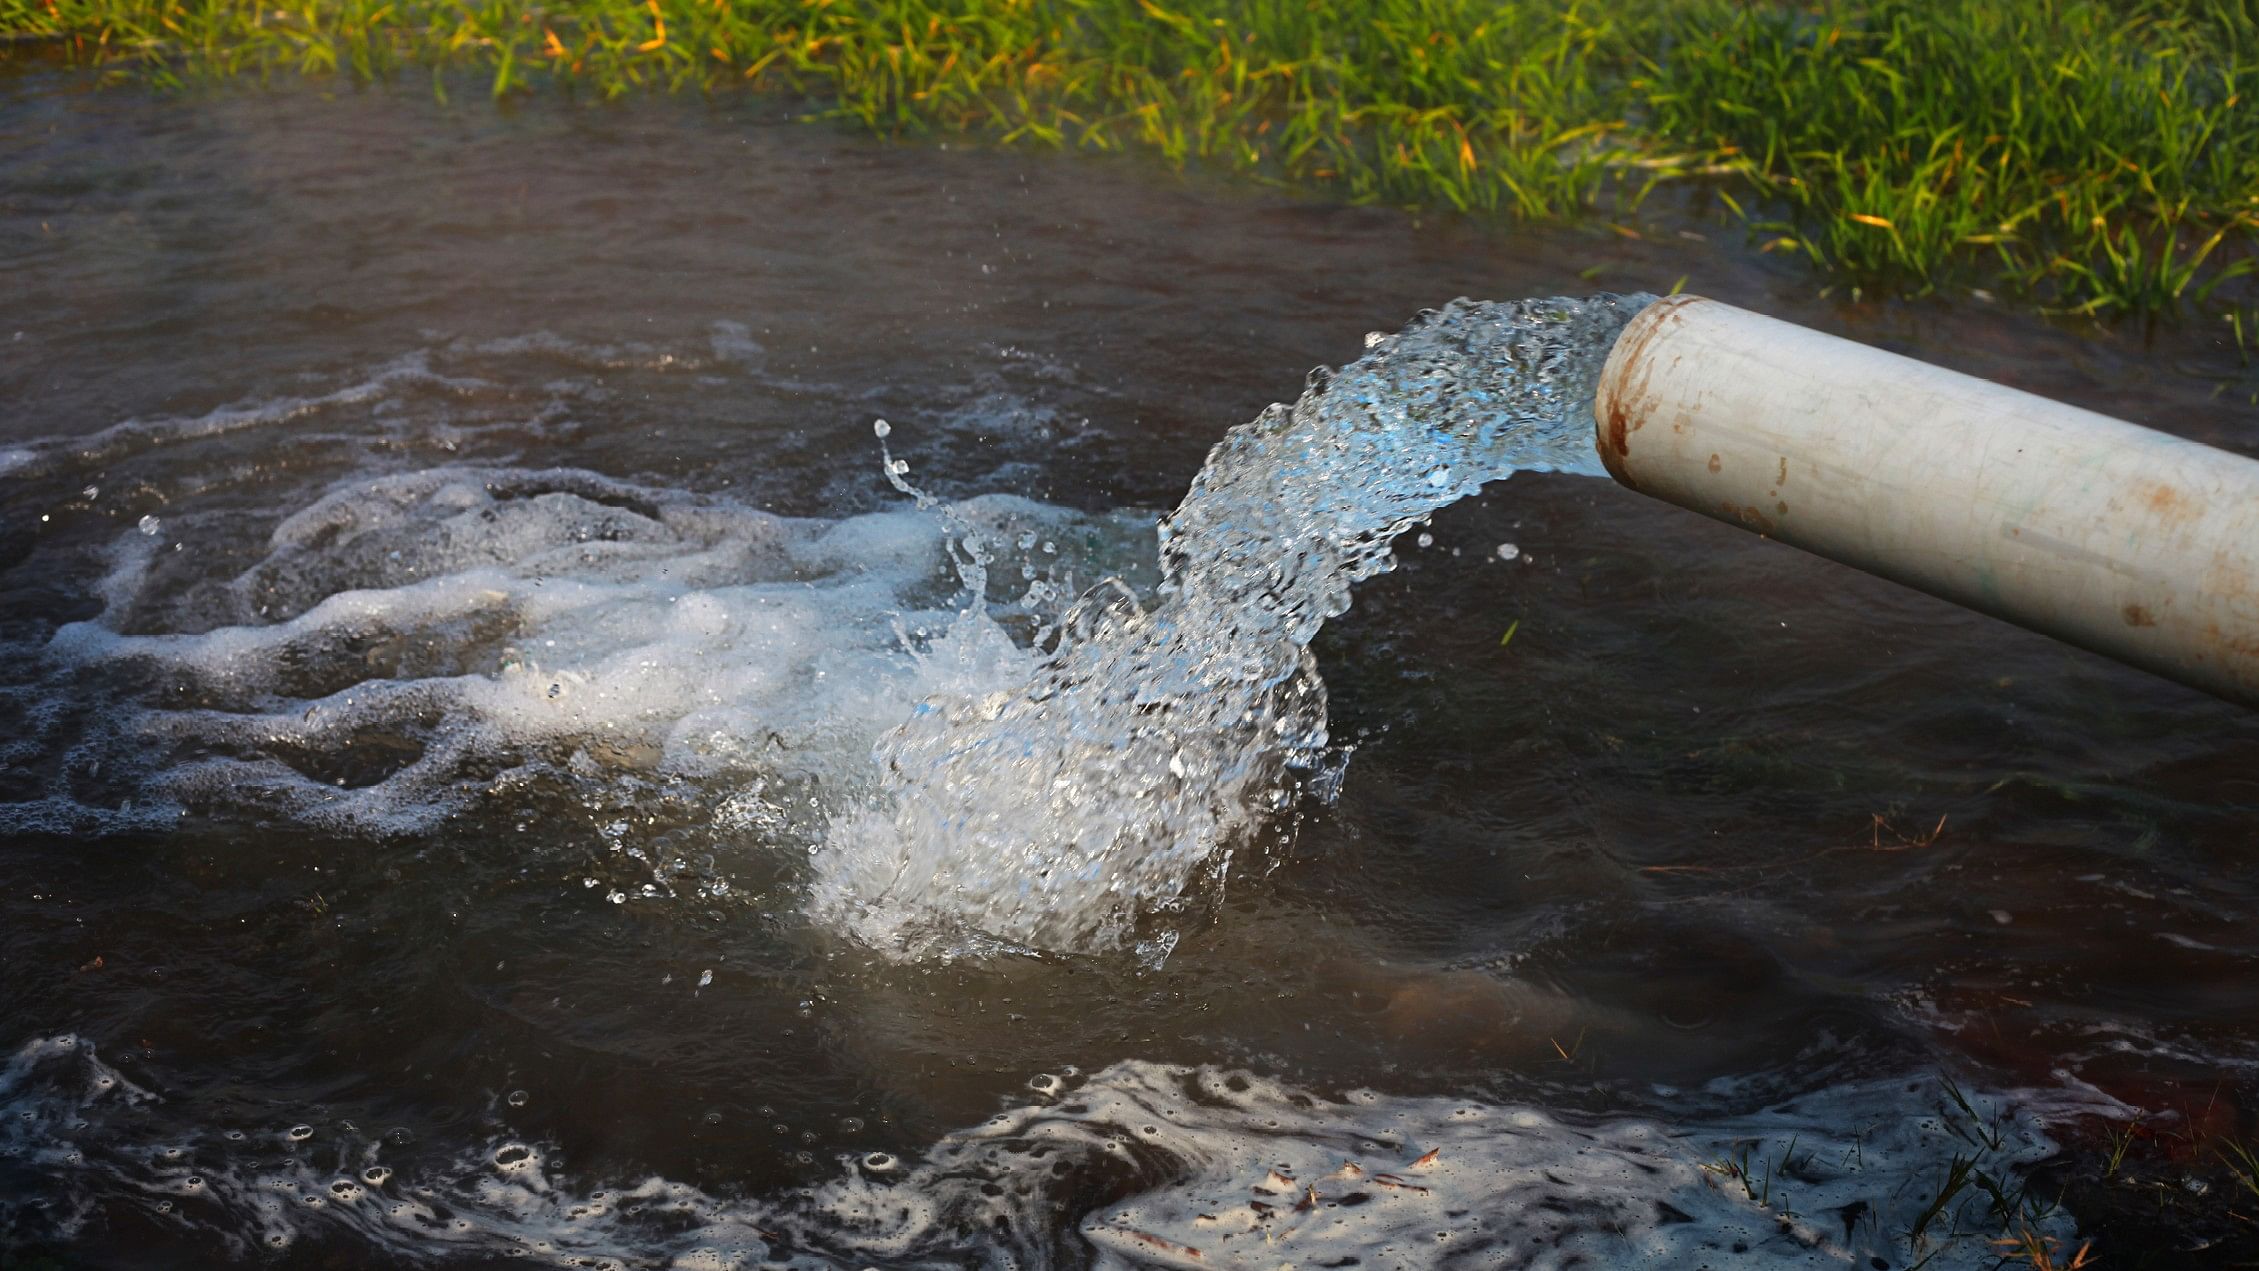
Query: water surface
{"points": [[350, 400]]}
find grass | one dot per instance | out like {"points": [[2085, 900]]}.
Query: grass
{"points": [[2098, 156], [2177, 1185], [2243, 1167]]}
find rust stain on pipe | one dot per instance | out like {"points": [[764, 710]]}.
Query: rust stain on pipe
{"points": [[1616, 411]]}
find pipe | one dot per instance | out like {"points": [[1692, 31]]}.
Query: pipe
{"points": [[2120, 539]]}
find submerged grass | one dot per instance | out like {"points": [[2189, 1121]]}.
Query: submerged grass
{"points": [[2092, 155]]}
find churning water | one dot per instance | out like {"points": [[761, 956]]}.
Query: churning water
{"points": [[1212, 1168], [998, 728], [1077, 759], [464, 626]]}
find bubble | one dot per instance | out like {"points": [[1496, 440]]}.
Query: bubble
{"points": [[516, 1098], [604, 632], [300, 1133], [149, 525], [1507, 551], [1382, 1174], [881, 428]]}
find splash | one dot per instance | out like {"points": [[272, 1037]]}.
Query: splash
{"points": [[1068, 811]]}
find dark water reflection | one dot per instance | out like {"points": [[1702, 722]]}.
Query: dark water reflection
{"points": [[1720, 819]]}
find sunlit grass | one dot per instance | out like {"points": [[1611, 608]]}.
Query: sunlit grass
{"points": [[2077, 154], [2100, 157]]}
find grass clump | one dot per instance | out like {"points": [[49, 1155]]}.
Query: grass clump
{"points": [[2097, 155]]}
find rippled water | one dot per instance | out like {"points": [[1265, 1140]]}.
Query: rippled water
{"points": [[451, 601]]}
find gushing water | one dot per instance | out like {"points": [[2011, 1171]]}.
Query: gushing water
{"points": [[1139, 750]]}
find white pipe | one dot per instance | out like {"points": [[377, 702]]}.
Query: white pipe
{"points": [[2135, 544]]}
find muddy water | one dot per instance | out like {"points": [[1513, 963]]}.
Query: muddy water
{"points": [[1726, 847]]}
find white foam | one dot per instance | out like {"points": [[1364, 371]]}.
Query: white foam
{"points": [[1141, 1165], [456, 623]]}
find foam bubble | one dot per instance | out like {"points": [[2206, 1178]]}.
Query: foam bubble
{"points": [[1140, 1165], [406, 642]]}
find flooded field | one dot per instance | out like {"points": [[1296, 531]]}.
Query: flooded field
{"points": [[452, 594]]}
